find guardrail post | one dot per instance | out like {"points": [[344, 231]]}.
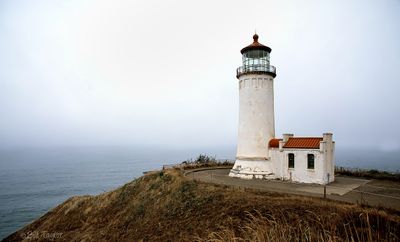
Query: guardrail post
{"points": [[361, 195], [324, 191]]}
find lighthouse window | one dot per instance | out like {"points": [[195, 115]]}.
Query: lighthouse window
{"points": [[255, 59], [291, 160], [310, 161]]}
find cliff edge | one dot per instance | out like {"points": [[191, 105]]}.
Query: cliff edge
{"points": [[166, 206]]}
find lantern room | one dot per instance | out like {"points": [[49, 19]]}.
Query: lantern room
{"points": [[255, 59]]}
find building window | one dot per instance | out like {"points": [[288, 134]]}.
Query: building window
{"points": [[291, 160], [310, 161]]}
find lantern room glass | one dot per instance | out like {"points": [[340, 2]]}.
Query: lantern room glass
{"points": [[255, 58]]}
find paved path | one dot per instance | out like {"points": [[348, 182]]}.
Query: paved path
{"points": [[348, 189]]}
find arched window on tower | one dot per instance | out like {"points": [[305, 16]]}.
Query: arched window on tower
{"points": [[310, 161], [291, 160]]}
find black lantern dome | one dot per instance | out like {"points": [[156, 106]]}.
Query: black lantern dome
{"points": [[256, 46]]}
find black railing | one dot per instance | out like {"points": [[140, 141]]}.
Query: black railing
{"points": [[256, 68]]}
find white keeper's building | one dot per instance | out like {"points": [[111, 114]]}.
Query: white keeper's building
{"points": [[259, 153]]}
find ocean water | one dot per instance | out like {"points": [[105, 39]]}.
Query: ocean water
{"points": [[34, 180]]}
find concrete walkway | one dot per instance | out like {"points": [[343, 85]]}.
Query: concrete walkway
{"points": [[346, 189]]}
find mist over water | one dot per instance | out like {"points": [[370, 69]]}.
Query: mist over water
{"points": [[368, 159], [33, 180]]}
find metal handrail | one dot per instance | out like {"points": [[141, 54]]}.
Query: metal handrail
{"points": [[255, 68]]}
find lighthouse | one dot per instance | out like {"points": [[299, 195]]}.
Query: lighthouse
{"points": [[259, 153], [256, 112]]}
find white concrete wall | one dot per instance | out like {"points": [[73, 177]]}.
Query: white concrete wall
{"points": [[328, 148], [277, 158], [277, 167], [256, 116], [332, 164], [300, 172], [324, 163]]}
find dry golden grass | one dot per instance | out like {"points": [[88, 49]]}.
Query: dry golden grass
{"points": [[165, 206], [258, 227]]}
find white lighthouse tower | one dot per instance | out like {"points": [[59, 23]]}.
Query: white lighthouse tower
{"points": [[256, 113], [259, 153]]}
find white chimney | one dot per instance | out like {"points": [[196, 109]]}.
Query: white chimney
{"points": [[286, 137], [327, 137]]}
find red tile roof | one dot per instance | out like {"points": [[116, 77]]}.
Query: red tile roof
{"points": [[303, 143], [274, 143]]}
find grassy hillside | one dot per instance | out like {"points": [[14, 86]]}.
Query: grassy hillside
{"points": [[165, 206]]}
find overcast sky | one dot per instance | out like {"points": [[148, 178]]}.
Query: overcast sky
{"points": [[163, 72]]}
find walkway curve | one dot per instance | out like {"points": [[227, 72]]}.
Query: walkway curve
{"points": [[347, 189]]}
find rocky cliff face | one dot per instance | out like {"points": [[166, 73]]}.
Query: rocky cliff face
{"points": [[166, 206]]}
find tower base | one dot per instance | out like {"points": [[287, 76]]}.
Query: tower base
{"points": [[252, 169]]}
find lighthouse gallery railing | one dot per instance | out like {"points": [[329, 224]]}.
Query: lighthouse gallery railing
{"points": [[255, 68]]}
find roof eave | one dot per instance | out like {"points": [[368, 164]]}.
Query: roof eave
{"points": [[252, 47]]}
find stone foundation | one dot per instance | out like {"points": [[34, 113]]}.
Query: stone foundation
{"points": [[252, 169]]}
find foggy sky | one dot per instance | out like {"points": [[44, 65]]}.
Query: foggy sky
{"points": [[163, 72]]}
